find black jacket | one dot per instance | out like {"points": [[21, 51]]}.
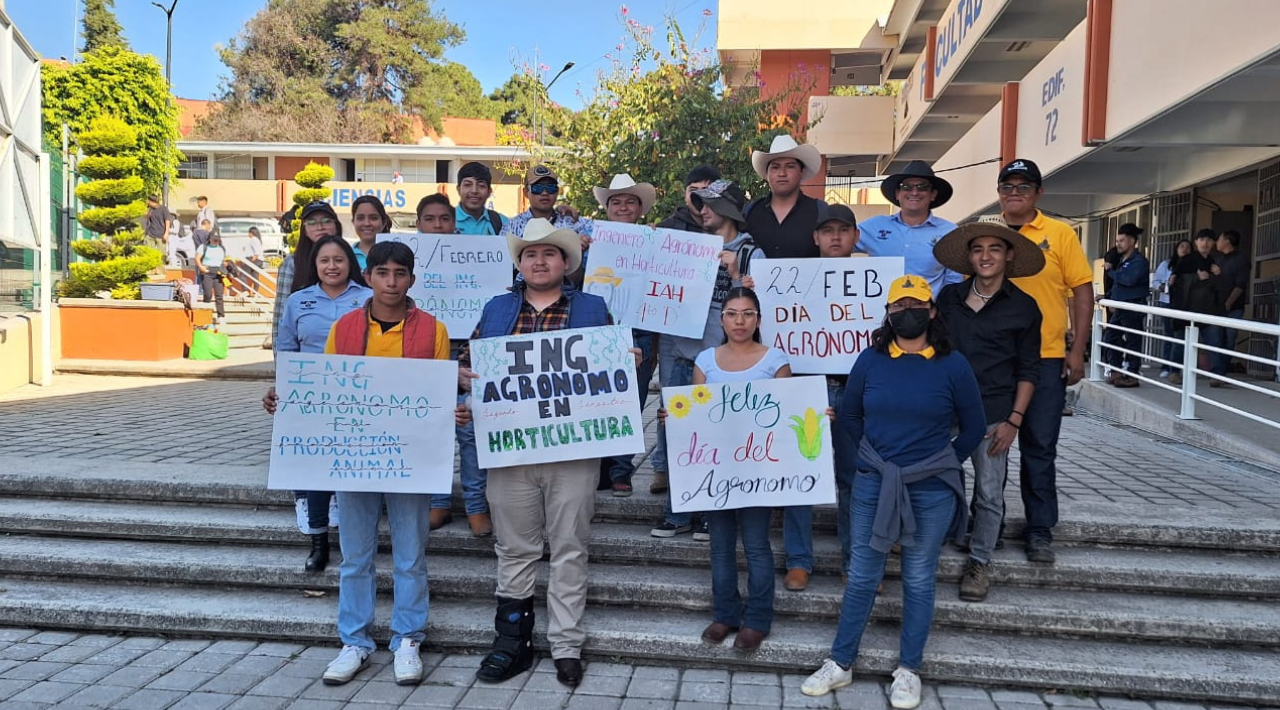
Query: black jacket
{"points": [[682, 219]]}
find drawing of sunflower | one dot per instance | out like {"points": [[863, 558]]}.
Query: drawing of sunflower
{"points": [[701, 394], [679, 406]]}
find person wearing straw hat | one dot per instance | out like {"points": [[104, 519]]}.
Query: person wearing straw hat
{"points": [[553, 501], [626, 201], [782, 222], [996, 326], [914, 229]]}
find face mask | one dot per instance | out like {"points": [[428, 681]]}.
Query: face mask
{"points": [[910, 323]]}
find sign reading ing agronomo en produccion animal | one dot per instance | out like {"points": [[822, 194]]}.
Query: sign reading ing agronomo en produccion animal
{"points": [[555, 396], [374, 424], [749, 444]]}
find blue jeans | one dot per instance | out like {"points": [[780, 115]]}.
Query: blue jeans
{"points": [[1166, 347], [844, 450], [621, 467], [357, 581], [1129, 341], [797, 536], [933, 508], [1038, 443], [680, 374], [473, 477], [1227, 341], [726, 603]]}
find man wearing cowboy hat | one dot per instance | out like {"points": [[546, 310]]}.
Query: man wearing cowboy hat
{"points": [[552, 502], [626, 201], [912, 232], [1066, 271], [997, 328], [782, 222]]}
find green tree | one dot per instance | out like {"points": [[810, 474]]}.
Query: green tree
{"points": [[118, 261], [341, 70], [101, 28], [311, 179], [658, 124], [523, 102], [116, 82], [889, 88]]}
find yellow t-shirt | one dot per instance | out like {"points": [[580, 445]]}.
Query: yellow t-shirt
{"points": [[1065, 267], [391, 343]]}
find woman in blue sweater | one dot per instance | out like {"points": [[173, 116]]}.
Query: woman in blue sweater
{"points": [[331, 287], [900, 404]]}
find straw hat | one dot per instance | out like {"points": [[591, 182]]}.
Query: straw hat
{"points": [[952, 251]]}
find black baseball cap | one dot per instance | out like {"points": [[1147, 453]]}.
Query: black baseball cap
{"points": [[315, 207], [1023, 167], [837, 212]]}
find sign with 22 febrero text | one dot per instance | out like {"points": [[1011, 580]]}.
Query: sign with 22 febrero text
{"points": [[560, 395], [751, 444], [370, 424], [456, 274]]}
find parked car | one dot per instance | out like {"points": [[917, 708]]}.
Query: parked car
{"points": [[235, 235]]}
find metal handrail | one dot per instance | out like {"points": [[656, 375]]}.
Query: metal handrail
{"points": [[260, 285], [1190, 355]]}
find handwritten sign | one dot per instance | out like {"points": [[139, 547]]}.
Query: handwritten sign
{"points": [[656, 279], [555, 396], [821, 312], [749, 444], [371, 424], [456, 275]]}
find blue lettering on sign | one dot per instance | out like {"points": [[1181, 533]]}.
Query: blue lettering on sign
{"points": [[344, 196], [1048, 92], [953, 31]]}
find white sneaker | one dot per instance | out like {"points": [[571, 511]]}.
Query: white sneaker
{"points": [[827, 678], [350, 661], [304, 518], [408, 663], [905, 692], [333, 512]]}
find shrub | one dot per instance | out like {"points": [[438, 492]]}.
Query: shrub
{"points": [[108, 135], [110, 220], [87, 279], [312, 179], [103, 167], [108, 192], [314, 175]]}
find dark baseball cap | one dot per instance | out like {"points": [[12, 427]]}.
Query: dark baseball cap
{"points": [[837, 212], [315, 207], [1023, 167]]}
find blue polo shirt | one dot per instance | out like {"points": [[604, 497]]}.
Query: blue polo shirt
{"points": [[309, 314], [466, 224], [890, 236]]}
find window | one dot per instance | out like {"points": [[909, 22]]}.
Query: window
{"points": [[418, 170], [234, 167], [377, 170], [195, 167]]}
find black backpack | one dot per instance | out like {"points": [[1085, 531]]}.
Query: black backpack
{"points": [[495, 220]]}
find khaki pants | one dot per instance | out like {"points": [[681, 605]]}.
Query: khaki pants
{"points": [[551, 503]]}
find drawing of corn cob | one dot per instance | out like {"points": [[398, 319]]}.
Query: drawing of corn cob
{"points": [[808, 433]]}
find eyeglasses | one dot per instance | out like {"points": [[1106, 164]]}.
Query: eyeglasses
{"points": [[915, 187], [743, 315], [1022, 188], [320, 222], [544, 188]]}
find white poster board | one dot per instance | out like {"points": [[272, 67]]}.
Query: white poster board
{"points": [[765, 443], [374, 424], [655, 279], [556, 396], [456, 275], [821, 312]]}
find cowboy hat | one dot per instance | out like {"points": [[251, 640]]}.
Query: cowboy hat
{"points": [[623, 185], [785, 146], [952, 251], [920, 169], [541, 231]]}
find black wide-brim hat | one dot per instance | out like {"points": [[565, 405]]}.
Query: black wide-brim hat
{"points": [[920, 169], [952, 251]]}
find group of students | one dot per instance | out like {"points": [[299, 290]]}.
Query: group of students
{"points": [[952, 374]]}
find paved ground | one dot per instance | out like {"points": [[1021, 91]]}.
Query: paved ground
{"points": [[69, 670]]}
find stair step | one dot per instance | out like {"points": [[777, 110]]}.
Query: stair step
{"points": [[639, 635], [1116, 615], [1117, 569]]}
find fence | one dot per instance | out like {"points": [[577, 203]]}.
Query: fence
{"points": [[1192, 348]]}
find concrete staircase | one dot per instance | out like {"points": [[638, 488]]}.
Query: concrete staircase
{"points": [[1181, 608], [248, 322]]}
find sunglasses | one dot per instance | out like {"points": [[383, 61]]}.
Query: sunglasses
{"points": [[915, 187], [544, 188]]}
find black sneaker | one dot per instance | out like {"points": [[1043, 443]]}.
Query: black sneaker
{"points": [[665, 529], [1040, 550], [703, 532]]}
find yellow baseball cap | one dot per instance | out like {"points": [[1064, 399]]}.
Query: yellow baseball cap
{"points": [[910, 286]]}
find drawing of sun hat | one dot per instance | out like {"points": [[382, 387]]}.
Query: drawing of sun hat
{"points": [[602, 275]]}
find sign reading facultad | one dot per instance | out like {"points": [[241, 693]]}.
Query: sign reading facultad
{"points": [[749, 444], [456, 275], [372, 424], [660, 280], [963, 25], [561, 395], [821, 312]]}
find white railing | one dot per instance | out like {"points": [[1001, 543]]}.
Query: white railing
{"points": [[254, 284], [1189, 367]]}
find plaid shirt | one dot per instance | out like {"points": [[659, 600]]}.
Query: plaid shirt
{"points": [[530, 320], [284, 286]]}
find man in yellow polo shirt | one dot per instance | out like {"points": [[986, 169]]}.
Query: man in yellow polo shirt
{"points": [[1066, 272]]}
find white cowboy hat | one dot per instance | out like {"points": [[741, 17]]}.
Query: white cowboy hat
{"points": [[785, 146], [624, 185], [541, 231]]}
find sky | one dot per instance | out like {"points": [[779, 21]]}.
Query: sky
{"points": [[501, 34]]}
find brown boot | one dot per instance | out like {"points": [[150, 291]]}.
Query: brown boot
{"points": [[796, 580], [481, 525], [440, 517], [975, 582], [661, 482]]}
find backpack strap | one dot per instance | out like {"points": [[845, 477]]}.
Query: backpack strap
{"points": [[495, 220], [745, 250]]}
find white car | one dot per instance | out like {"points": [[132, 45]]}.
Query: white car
{"points": [[235, 236]]}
